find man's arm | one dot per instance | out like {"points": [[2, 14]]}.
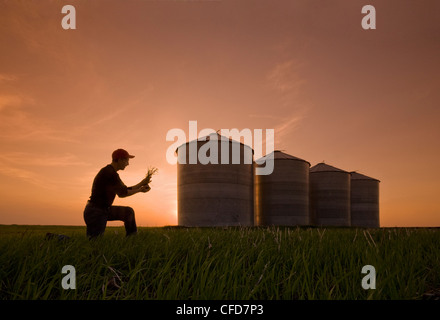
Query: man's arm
{"points": [[122, 191], [135, 189], [140, 187]]}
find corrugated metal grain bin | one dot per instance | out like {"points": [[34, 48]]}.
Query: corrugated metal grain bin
{"points": [[282, 198], [364, 201], [329, 196], [215, 194]]}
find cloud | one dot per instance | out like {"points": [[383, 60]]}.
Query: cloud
{"points": [[27, 176], [287, 125], [27, 21], [287, 81], [7, 100], [285, 77], [282, 125], [32, 168], [34, 160], [4, 77], [18, 124]]}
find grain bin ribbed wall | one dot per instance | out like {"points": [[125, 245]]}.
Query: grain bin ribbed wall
{"points": [[364, 201], [329, 196], [282, 198], [215, 194]]}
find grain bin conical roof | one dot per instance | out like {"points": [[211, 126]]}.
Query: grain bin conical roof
{"points": [[323, 167], [279, 155], [358, 176], [214, 136]]}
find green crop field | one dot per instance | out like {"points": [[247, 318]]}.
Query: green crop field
{"points": [[220, 263]]}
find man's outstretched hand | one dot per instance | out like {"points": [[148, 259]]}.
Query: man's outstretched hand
{"points": [[151, 171], [146, 181], [144, 188]]}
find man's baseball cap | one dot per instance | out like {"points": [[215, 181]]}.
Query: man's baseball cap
{"points": [[121, 154]]}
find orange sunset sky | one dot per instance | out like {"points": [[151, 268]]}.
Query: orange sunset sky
{"points": [[365, 100]]}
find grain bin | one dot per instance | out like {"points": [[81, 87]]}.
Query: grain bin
{"points": [[282, 198], [218, 193], [364, 201], [329, 196]]}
